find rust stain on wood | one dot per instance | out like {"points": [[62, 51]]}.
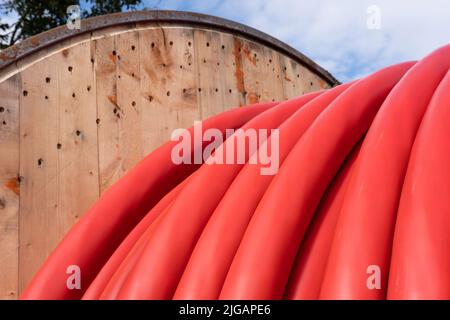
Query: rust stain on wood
{"points": [[13, 185], [252, 97], [239, 74], [249, 56], [322, 83], [113, 99], [112, 57]]}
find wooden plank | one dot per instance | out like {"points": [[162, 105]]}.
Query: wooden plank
{"points": [[169, 91], [78, 155], [39, 166], [119, 106], [58, 152], [288, 77], [208, 52], [128, 100], [105, 59], [272, 86], [9, 187], [229, 71], [252, 61]]}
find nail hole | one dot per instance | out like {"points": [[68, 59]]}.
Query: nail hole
{"points": [[132, 74], [2, 109], [184, 90], [78, 132], [114, 52], [168, 93], [73, 95], [270, 60], [92, 60], [199, 89], [133, 47], [171, 43], [217, 90], [4, 122], [150, 98], [189, 43], [153, 44], [207, 44], [311, 83], [223, 47], [97, 121], [46, 97], [70, 68], [88, 88], [40, 162], [47, 79], [298, 76], [133, 103], [229, 90], [25, 93], [58, 145]]}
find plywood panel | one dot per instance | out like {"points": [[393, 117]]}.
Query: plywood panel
{"points": [[169, 90], [9, 187]]}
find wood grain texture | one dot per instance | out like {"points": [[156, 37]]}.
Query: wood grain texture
{"points": [[9, 187], [39, 166], [169, 89], [211, 89]]}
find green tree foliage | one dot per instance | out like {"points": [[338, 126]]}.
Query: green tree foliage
{"points": [[36, 16], [110, 6]]}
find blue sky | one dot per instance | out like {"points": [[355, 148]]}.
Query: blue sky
{"points": [[350, 38]]}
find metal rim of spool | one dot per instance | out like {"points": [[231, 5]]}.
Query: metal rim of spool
{"points": [[45, 39]]}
